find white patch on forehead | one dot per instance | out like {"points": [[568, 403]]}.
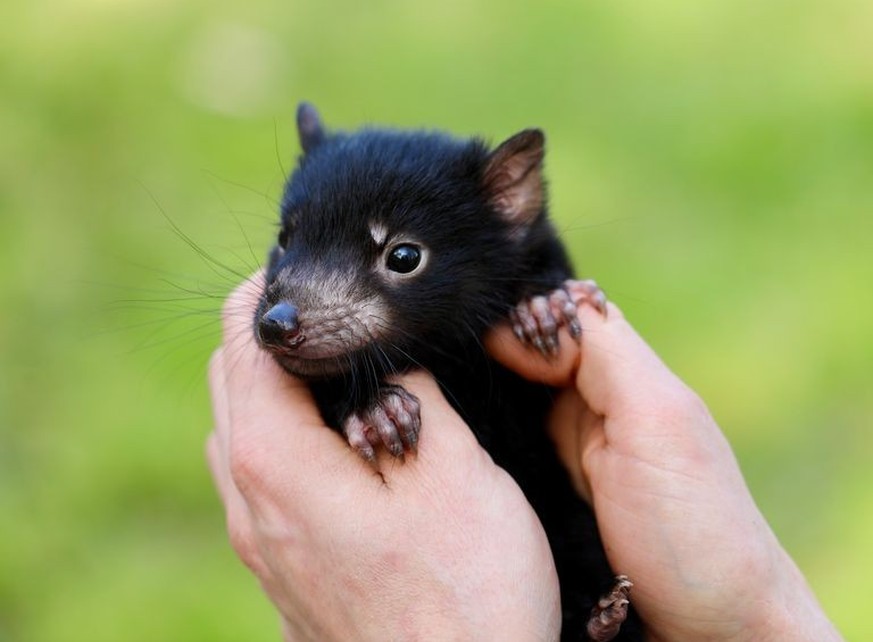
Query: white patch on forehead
{"points": [[379, 233]]}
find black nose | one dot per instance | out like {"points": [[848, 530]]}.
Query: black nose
{"points": [[279, 326]]}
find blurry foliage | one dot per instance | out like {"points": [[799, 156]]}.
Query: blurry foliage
{"points": [[710, 164]]}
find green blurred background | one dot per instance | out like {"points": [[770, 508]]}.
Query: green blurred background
{"points": [[711, 164]]}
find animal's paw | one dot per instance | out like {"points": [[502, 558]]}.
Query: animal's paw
{"points": [[536, 320], [392, 420], [610, 611]]}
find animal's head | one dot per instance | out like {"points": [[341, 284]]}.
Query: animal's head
{"points": [[393, 242]]}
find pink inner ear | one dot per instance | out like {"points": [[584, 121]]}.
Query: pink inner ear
{"points": [[514, 178], [521, 201]]}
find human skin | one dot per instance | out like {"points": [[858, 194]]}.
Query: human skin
{"points": [[671, 504], [428, 547]]}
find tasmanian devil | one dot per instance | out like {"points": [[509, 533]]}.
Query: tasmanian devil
{"points": [[399, 250]]}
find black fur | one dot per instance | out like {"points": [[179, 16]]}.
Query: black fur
{"points": [[431, 186]]}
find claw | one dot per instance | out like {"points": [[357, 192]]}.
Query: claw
{"points": [[393, 421], [519, 331], [405, 411], [386, 429], [552, 344], [536, 320], [587, 292], [610, 611], [356, 433], [575, 328]]}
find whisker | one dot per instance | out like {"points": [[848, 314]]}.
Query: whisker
{"points": [[271, 201], [214, 264], [276, 144]]}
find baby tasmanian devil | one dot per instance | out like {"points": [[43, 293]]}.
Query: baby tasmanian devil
{"points": [[399, 250]]}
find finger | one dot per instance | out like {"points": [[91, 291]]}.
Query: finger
{"points": [[217, 467], [555, 370], [612, 367], [217, 443], [278, 445], [238, 311], [618, 371], [220, 406], [571, 423], [250, 373], [265, 404], [288, 634], [237, 514]]}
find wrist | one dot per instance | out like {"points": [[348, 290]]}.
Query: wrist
{"points": [[787, 609]]}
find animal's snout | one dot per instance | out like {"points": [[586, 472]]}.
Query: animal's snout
{"points": [[279, 327]]}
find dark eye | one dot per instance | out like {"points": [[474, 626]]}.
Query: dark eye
{"points": [[283, 237], [403, 258]]}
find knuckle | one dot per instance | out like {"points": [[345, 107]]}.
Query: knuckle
{"points": [[681, 405], [246, 468], [243, 543]]}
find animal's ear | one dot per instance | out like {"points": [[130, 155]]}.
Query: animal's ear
{"points": [[309, 127], [513, 177]]}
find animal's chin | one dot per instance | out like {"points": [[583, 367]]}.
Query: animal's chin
{"points": [[315, 368], [309, 360]]}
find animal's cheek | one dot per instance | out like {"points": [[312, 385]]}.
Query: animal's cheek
{"points": [[343, 329]]}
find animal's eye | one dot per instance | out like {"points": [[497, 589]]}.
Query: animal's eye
{"points": [[404, 258], [283, 238]]}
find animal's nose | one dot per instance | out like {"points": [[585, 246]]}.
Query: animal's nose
{"points": [[279, 326]]}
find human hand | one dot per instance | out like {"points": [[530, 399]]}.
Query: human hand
{"points": [[671, 504], [442, 546]]}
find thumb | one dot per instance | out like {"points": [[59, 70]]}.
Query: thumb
{"points": [[611, 366], [558, 370], [561, 369]]}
